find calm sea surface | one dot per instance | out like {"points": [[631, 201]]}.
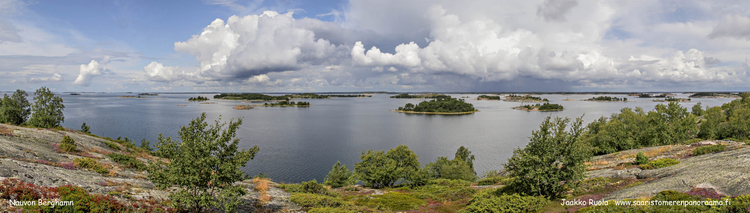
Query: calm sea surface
{"points": [[300, 144]]}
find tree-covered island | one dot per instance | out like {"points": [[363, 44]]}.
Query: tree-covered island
{"points": [[546, 107], [263, 97], [287, 104], [714, 95], [663, 95], [349, 96], [439, 106], [426, 95], [489, 97], [199, 98], [607, 99], [672, 99], [524, 98]]}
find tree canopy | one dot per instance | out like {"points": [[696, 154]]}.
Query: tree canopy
{"points": [[204, 165], [47, 108]]}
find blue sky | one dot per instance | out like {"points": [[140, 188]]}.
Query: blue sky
{"points": [[420, 45]]}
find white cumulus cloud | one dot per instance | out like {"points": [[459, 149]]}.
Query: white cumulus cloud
{"points": [[253, 45], [87, 72]]}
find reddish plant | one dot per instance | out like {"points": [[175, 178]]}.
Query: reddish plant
{"points": [[705, 193], [18, 190], [68, 165], [56, 147]]}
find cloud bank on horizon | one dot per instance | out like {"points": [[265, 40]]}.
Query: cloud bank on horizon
{"points": [[420, 45]]}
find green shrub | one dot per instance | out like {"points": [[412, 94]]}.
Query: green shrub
{"points": [[670, 195], [460, 168], [339, 176], [708, 149], [84, 202], [313, 187], [640, 158], [112, 145], [490, 201], [395, 201], [204, 166], [380, 169], [444, 193], [68, 144], [146, 145], [449, 182], [552, 162], [489, 181], [316, 200], [128, 161], [85, 129], [330, 210], [90, 164], [661, 163]]}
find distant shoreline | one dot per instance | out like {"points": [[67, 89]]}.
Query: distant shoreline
{"points": [[436, 113]]}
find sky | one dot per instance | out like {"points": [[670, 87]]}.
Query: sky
{"points": [[383, 45]]}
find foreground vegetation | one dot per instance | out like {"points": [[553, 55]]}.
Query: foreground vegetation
{"points": [[439, 105], [669, 124]]}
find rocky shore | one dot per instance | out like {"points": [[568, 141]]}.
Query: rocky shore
{"points": [[28, 154]]}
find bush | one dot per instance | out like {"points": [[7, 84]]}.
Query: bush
{"points": [[90, 164], [665, 125], [128, 161], [15, 109], [670, 195], [490, 201], [331, 210], [84, 202], [14, 189], [395, 201], [380, 169], [640, 158], [316, 200], [204, 166], [708, 149], [67, 144], [490, 180], [552, 162], [661, 163], [339, 176], [697, 109], [146, 145], [313, 187], [445, 193], [112, 145], [85, 129], [460, 168], [449, 182], [48, 109]]}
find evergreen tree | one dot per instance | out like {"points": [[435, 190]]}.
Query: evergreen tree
{"points": [[339, 176]]}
